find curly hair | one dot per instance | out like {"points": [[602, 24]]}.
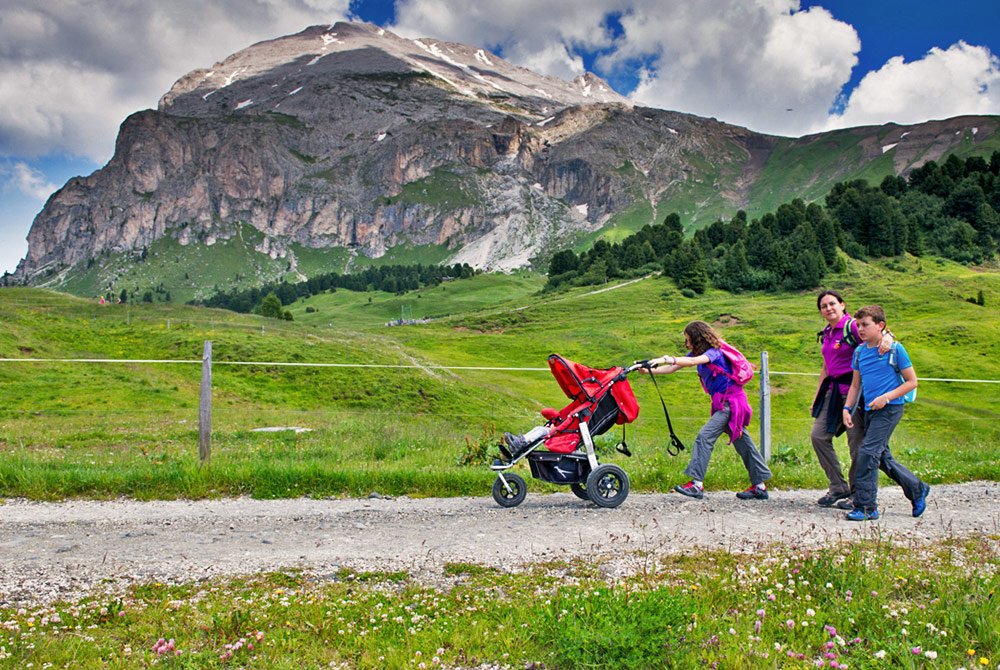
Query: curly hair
{"points": [[703, 337]]}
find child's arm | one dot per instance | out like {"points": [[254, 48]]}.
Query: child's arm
{"points": [[662, 367], [852, 398], [909, 383]]}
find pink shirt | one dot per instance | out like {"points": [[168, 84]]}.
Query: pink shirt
{"points": [[836, 354]]}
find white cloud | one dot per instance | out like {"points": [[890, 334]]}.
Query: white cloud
{"points": [[963, 79], [753, 64], [28, 181], [540, 36], [74, 69], [742, 61]]}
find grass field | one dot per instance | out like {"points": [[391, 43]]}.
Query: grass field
{"points": [[864, 605], [98, 429]]}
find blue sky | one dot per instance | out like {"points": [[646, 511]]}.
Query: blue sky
{"points": [[71, 71]]}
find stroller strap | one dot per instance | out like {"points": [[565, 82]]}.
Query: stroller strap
{"points": [[675, 446]]}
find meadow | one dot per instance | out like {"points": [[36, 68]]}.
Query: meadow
{"points": [[417, 412], [865, 605], [414, 418]]}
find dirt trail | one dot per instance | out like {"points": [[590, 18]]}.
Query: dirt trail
{"points": [[55, 550]]}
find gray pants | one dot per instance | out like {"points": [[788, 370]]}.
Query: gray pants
{"points": [[875, 455], [705, 442], [822, 442]]}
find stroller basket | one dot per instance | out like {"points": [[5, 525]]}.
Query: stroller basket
{"points": [[558, 468]]}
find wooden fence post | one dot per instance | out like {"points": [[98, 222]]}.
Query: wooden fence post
{"points": [[205, 406], [765, 408]]}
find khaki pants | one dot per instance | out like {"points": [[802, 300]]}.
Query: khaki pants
{"points": [[822, 442]]}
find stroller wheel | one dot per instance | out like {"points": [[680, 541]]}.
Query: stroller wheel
{"points": [[580, 490], [515, 496], [607, 486]]}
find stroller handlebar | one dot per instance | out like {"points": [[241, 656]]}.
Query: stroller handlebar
{"points": [[638, 365]]}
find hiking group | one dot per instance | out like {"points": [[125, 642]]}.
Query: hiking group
{"points": [[865, 379]]}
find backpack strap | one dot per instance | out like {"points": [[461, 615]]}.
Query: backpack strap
{"points": [[848, 334], [892, 358]]}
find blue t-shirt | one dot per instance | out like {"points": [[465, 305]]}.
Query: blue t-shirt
{"points": [[877, 375], [719, 383]]}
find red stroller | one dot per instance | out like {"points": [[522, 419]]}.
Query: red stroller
{"points": [[600, 399]]}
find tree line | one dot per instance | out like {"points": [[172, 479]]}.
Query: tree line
{"points": [[948, 209], [388, 278]]}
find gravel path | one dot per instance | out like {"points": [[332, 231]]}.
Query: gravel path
{"points": [[64, 550]]}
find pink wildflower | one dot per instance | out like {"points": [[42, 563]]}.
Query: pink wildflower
{"points": [[790, 624], [916, 651]]}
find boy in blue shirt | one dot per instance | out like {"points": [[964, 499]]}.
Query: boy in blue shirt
{"points": [[878, 377]]}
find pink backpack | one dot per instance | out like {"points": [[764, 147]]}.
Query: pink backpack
{"points": [[742, 368]]}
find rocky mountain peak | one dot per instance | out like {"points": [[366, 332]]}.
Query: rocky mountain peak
{"points": [[348, 140], [266, 75]]}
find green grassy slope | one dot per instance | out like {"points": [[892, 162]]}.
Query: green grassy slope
{"points": [[75, 429]]}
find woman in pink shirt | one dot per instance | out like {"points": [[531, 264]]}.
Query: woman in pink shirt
{"points": [[838, 339]]}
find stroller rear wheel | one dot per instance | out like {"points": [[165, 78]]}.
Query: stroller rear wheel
{"points": [[580, 490], [607, 486], [513, 497]]}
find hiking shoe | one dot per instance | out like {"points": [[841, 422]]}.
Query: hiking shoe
{"points": [[517, 443], [920, 503], [831, 498], [753, 493], [862, 515], [691, 490], [845, 503]]}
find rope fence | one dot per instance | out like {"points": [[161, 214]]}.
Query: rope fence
{"points": [[205, 402]]}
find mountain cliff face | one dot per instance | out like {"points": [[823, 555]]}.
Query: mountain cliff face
{"points": [[350, 137]]}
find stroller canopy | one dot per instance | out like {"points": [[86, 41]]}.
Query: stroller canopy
{"points": [[585, 384]]}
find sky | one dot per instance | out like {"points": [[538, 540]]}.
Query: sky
{"points": [[71, 71]]}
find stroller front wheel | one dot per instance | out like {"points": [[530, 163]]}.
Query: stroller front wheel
{"points": [[512, 497], [580, 490], [607, 486]]}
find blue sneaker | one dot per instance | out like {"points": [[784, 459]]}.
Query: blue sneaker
{"points": [[920, 502], [862, 515]]}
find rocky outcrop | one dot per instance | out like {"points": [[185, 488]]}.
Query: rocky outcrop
{"points": [[350, 136]]}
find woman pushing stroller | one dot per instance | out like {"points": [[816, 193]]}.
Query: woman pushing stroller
{"points": [[731, 410]]}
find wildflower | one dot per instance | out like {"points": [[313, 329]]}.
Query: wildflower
{"points": [[916, 651], [983, 660], [756, 626], [930, 654], [970, 652], [789, 624], [760, 613], [831, 631], [880, 654], [810, 612]]}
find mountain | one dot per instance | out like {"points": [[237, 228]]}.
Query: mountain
{"points": [[344, 145]]}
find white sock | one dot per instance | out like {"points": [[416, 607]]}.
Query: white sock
{"points": [[761, 487], [700, 485]]}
